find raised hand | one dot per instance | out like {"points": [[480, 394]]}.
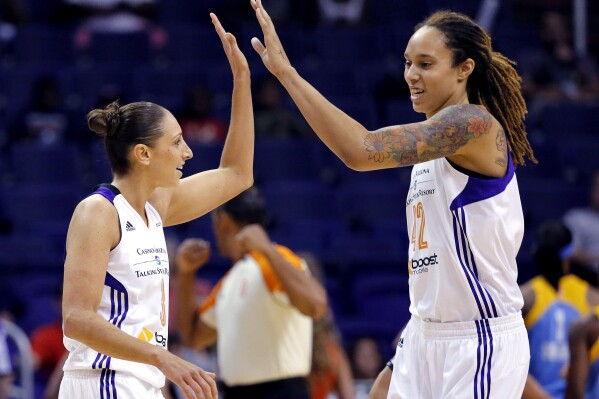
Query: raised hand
{"points": [[193, 381], [192, 254], [272, 52], [236, 58]]}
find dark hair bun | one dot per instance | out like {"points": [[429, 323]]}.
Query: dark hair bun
{"points": [[105, 122]]}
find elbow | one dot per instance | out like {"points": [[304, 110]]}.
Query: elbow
{"points": [[70, 324], [354, 164], [319, 308]]}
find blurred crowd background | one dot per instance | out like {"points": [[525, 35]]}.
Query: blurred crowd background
{"points": [[61, 58]]}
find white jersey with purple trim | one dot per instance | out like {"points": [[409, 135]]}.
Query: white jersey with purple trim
{"points": [[464, 235], [135, 295]]}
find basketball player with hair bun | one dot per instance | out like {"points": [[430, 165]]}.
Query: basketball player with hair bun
{"points": [[466, 337], [116, 274]]}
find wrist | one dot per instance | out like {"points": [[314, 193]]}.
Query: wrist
{"points": [[286, 74], [242, 77]]}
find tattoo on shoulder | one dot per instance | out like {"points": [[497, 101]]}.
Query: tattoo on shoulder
{"points": [[502, 148], [440, 136]]}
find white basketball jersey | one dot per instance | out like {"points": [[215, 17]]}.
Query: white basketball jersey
{"points": [[464, 235], [135, 295]]}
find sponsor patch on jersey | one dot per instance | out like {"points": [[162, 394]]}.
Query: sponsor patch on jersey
{"points": [[145, 335], [129, 226], [421, 265]]}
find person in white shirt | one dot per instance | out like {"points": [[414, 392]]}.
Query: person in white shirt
{"points": [[466, 336]]}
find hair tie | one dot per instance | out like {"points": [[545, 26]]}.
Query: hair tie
{"points": [[566, 251]]}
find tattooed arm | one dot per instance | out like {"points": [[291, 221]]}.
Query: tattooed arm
{"points": [[466, 134]]}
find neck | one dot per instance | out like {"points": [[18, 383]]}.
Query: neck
{"points": [[134, 190]]}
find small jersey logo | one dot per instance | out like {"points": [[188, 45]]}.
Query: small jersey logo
{"points": [[145, 335], [157, 259], [400, 343], [129, 226]]}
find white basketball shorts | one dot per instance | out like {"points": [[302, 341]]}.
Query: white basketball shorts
{"points": [[105, 384], [480, 359]]}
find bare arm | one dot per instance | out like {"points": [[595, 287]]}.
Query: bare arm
{"points": [[345, 380], [192, 254], [454, 131], [304, 291], [93, 232], [579, 358], [534, 390], [198, 194], [380, 388], [528, 294]]}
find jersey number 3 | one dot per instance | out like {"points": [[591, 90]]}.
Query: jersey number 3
{"points": [[419, 217]]}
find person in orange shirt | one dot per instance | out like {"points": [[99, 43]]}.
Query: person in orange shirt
{"points": [[262, 308]]}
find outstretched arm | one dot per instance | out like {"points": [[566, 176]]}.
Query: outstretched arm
{"points": [[202, 192], [455, 131]]}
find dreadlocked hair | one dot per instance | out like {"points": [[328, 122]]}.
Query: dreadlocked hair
{"points": [[494, 83]]}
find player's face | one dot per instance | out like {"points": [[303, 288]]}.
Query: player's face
{"points": [[434, 83], [171, 152]]}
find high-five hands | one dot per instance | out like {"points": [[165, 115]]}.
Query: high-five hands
{"points": [[237, 60], [272, 52]]}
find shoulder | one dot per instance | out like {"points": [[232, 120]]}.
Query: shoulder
{"points": [[464, 112], [94, 213], [94, 207]]}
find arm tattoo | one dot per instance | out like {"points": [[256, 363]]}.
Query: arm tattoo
{"points": [[440, 136], [502, 148]]}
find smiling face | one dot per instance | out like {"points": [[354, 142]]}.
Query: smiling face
{"points": [[434, 83], [169, 153]]}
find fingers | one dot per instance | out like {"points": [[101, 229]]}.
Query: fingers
{"points": [[257, 45], [203, 382]]}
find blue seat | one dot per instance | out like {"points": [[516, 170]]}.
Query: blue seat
{"points": [[40, 164], [194, 43], [289, 159], [401, 112], [31, 204], [560, 120], [578, 157], [121, 48], [369, 202], [347, 44], [292, 201], [205, 157], [40, 44], [544, 199]]}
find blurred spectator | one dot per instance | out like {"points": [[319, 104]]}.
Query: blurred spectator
{"points": [[555, 72], [553, 300], [366, 361], [6, 367], [331, 372], [47, 347], [12, 14], [45, 119], [584, 224], [341, 12], [197, 119], [272, 118], [583, 372], [115, 16]]}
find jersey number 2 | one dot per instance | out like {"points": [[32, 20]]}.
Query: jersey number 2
{"points": [[419, 215]]}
